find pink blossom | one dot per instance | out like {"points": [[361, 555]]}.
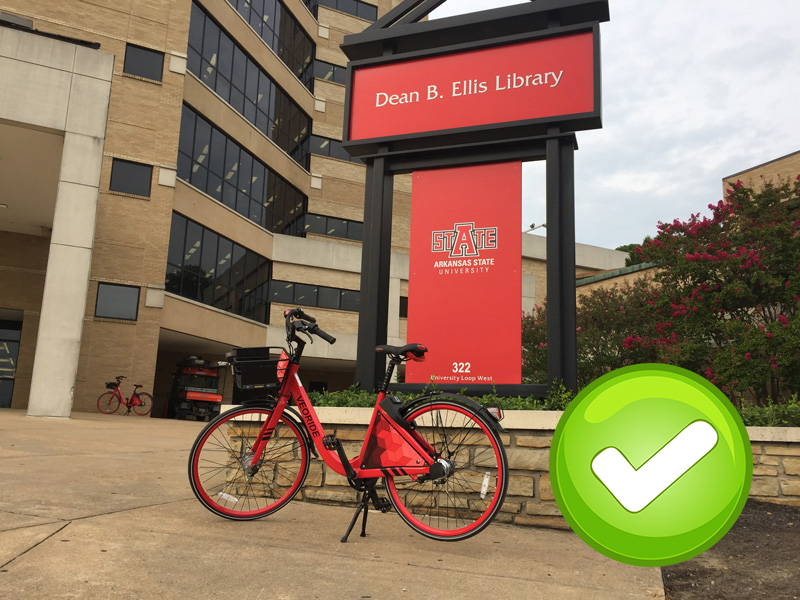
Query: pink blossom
{"points": [[748, 356]]}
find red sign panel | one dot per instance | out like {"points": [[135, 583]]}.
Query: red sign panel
{"points": [[465, 280], [517, 82]]}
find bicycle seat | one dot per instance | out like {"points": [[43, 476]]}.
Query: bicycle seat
{"points": [[407, 352], [136, 385]]}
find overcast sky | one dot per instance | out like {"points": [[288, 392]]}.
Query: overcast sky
{"points": [[693, 91]]}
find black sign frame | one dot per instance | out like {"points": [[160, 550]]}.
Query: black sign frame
{"points": [[400, 34]]}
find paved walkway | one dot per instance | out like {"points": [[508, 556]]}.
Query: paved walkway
{"points": [[99, 506]]}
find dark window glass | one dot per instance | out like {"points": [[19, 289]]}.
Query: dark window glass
{"points": [[250, 90], [367, 11], [130, 177], [347, 6], [117, 301], [276, 25], [173, 279], [403, 307], [191, 249], [316, 224], [177, 235], [282, 292], [332, 226], [337, 227], [311, 295], [352, 7], [143, 62], [349, 300], [216, 165], [330, 72], [355, 230], [186, 141], [208, 268], [224, 255], [196, 25], [328, 297], [305, 295], [225, 66], [333, 148], [237, 268]]}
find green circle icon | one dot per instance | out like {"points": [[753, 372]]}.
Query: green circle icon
{"points": [[651, 465]]}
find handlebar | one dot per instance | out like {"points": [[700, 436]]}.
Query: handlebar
{"points": [[297, 320]]}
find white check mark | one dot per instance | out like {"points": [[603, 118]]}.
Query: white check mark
{"points": [[635, 489]]}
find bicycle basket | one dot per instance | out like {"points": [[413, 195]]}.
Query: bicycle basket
{"points": [[257, 372], [111, 385]]}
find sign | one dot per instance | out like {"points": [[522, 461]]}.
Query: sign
{"points": [[539, 79], [465, 280]]}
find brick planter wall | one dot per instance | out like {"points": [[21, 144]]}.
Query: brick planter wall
{"points": [[530, 500]]}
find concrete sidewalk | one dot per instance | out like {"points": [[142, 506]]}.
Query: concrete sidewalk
{"points": [[99, 506]]}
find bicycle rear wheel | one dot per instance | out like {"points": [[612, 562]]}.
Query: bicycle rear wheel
{"points": [[146, 404], [223, 449], [108, 403], [465, 501]]}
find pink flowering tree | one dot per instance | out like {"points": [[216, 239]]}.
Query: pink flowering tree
{"points": [[730, 285], [724, 303], [615, 328]]}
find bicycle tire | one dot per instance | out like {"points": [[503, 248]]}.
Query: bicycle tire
{"points": [[466, 501], [145, 406], [108, 403], [215, 465]]}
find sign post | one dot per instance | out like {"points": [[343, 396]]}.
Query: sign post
{"points": [[461, 107]]}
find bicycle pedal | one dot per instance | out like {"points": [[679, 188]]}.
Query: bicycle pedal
{"points": [[381, 504], [331, 442]]}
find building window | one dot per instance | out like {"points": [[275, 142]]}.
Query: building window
{"points": [[403, 307], [225, 68], [333, 148], [143, 62], [332, 226], [330, 72], [130, 177], [276, 25], [117, 301], [351, 7], [206, 267], [214, 163], [303, 294]]}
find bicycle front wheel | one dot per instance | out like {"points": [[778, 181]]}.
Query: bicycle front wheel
{"points": [[145, 404], [108, 403], [468, 497], [224, 449]]}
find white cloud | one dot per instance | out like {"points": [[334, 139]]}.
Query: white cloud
{"points": [[692, 92]]}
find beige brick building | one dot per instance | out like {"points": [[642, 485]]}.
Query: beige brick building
{"points": [[785, 168], [171, 179]]}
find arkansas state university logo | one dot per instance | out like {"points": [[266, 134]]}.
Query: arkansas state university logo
{"points": [[464, 240]]}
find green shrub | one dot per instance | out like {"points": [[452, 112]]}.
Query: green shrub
{"points": [[772, 415]]}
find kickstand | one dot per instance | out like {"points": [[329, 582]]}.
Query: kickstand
{"points": [[363, 505]]}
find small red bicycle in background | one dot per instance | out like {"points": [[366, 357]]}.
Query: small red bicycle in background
{"points": [[140, 402], [440, 456]]}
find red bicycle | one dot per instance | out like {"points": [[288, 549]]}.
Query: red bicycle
{"points": [[440, 456], [108, 402]]}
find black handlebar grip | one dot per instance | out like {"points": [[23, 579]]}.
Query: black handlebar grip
{"points": [[325, 336]]}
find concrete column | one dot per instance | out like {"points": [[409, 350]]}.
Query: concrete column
{"points": [[67, 280]]}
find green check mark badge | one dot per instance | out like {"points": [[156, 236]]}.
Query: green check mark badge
{"points": [[636, 489], [651, 465]]}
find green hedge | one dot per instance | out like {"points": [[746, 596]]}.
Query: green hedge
{"points": [[773, 415]]}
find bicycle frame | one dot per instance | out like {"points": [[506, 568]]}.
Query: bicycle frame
{"points": [[129, 402], [413, 455]]}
